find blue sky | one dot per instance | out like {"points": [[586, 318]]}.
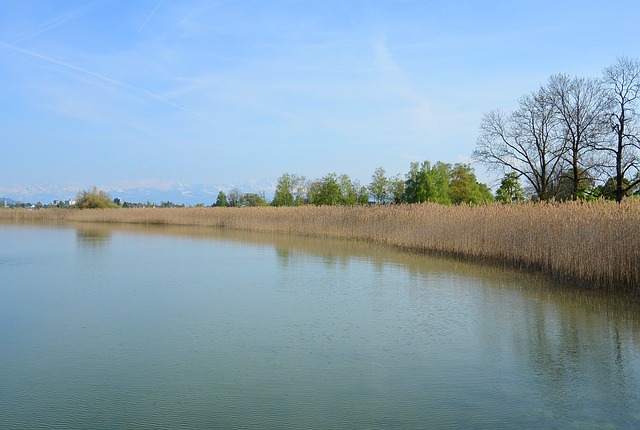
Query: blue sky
{"points": [[137, 93]]}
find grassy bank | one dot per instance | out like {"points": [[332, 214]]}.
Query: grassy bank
{"points": [[592, 244]]}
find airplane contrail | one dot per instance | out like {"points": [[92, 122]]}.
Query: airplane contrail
{"points": [[149, 17], [56, 22], [91, 73]]}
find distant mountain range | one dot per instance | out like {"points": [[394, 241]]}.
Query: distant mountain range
{"points": [[8, 201], [187, 194]]}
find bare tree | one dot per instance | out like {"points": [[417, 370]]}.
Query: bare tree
{"points": [[580, 107], [525, 142], [622, 86], [234, 197]]}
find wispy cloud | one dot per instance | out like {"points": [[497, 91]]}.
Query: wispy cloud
{"points": [[84, 71], [400, 84], [53, 23]]}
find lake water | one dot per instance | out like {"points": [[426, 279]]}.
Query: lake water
{"points": [[131, 327]]}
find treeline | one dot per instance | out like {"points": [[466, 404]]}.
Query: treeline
{"points": [[439, 183], [573, 138]]}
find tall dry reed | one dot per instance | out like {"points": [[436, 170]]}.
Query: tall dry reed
{"points": [[595, 244]]}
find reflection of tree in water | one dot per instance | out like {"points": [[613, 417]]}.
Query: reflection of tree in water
{"points": [[579, 345], [90, 237], [573, 349], [331, 258]]}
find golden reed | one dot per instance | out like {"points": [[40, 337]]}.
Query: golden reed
{"points": [[594, 244]]}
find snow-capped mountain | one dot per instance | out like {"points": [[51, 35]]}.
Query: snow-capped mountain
{"points": [[178, 193]]}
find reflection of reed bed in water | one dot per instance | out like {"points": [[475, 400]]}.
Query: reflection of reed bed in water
{"points": [[593, 244], [622, 307]]}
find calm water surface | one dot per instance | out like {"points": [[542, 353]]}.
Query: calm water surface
{"points": [[116, 327]]}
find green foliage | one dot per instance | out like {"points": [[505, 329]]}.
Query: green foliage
{"points": [[221, 201], [234, 197], [567, 190], [348, 193], [326, 192], [252, 199], [608, 189], [63, 205], [379, 186], [397, 189], [169, 204], [94, 199], [417, 184], [440, 177], [464, 187], [426, 183], [461, 184], [482, 193], [438, 183], [510, 190], [443, 184], [300, 191], [334, 190], [363, 195], [284, 191], [290, 190]]}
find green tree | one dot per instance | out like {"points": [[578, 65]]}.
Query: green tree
{"points": [[482, 193], [440, 177], [379, 186], [313, 190], [363, 195], [300, 191], [291, 190], [427, 183], [461, 185], [396, 189], [221, 201], [325, 191], [510, 190], [348, 190], [234, 197], [94, 199], [417, 185], [284, 191], [253, 199], [465, 188], [170, 204]]}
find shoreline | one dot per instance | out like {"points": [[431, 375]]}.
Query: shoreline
{"points": [[594, 245]]}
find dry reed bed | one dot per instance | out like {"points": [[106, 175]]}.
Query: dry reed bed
{"points": [[595, 244]]}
